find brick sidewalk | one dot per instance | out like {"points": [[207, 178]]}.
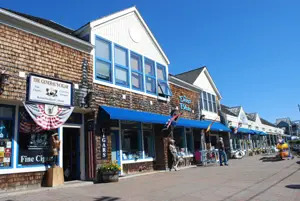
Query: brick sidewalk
{"points": [[246, 179]]}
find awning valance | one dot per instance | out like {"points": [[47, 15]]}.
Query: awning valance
{"points": [[148, 117], [133, 115]]}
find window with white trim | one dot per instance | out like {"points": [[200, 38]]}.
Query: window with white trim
{"points": [[209, 102], [121, 66]]}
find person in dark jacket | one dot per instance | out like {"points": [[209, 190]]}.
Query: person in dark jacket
{"points": [[222, 153]]}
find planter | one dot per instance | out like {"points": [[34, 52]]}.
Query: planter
{"points": [[106, 177]]}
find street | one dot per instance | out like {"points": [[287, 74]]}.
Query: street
{"points": [[243, 180]]}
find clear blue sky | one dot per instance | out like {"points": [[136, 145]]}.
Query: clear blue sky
{"points": [[251, 47]]}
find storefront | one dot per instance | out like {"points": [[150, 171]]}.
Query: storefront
{"points": [[45, 74]]}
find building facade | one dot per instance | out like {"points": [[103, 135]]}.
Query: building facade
{"points": [[42, 62]]}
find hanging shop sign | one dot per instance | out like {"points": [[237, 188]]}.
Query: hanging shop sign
{"points": [[49, 91], [103, 146], [184, 103], [48, 117]]}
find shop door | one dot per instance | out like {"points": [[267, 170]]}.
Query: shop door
{"points": [[115, 146], [71, 153]]}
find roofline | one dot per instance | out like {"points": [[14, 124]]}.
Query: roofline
{"points": [[191, 85], [211, 80], [190, 70], [122, 13], [41, 26]]}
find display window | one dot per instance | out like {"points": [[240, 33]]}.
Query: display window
{"points": [[6, 135], [34, 143]]}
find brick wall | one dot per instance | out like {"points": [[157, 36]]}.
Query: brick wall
{"points": [[138, 167], [21, 181], [21, 51], [192, 95]]}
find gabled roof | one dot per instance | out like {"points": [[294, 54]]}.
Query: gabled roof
{"points": [[190, 76], [45, 22], [121, 13], [251, 116], [225, 109], [183, 83], [236, 110], [265, 122]]}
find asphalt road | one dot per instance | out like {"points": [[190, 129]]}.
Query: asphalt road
{"points": [[243, 180]]}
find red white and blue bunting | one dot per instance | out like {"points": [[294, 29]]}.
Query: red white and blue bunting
{"points": [[47, 116]]}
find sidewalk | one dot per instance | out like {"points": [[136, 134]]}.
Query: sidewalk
{"points": [[245, 179]]}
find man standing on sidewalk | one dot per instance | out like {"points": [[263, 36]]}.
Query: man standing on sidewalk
{"points": [[222, 152]]}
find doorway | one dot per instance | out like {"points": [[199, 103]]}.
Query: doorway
{"points": [[115, 146], [71, 153]]}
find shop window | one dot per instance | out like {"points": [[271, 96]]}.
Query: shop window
{"points": [[121, 67], [136, 71], [6, 135], [190, 142], [34, 142], [131, 141], [148, 143], [180, 142], [103, 62], [150, 76]]}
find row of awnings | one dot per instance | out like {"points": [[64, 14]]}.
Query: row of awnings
{"points": [[250, 131], [148, 117]]}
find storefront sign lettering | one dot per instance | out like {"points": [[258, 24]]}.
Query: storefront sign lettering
{"points": [[34, 159], [184, 102], [103, 147], [45, 90]]}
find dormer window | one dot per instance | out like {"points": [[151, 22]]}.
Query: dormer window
{"points": [[162, 82], [209, 102], [103, 62]]}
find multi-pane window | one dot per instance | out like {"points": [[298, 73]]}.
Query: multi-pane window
{"points": [[163, 88], [150, 76], [129, 69], [136, 71], [135, 142], [103, 64], [121, 67], [209, 102]]}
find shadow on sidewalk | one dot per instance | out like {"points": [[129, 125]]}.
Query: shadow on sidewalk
{"points": [[270, 159], [293, 186], [106, 198], [298, 162]]}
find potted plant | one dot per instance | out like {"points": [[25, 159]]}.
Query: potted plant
{"points": [[109, 172]]}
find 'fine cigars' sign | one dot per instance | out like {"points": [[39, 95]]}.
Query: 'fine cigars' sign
{"points": [[49, 91]]}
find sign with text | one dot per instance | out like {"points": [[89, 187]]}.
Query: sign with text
{"points": [[49, 91], [184, 103], [103, 146]]}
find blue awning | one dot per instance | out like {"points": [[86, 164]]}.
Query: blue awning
{"points": [[259, 132], [133, 115], [217, 126], [245, 131], [148, 117]]}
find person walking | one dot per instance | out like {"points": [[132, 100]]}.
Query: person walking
{"points": [[222, 153]]}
